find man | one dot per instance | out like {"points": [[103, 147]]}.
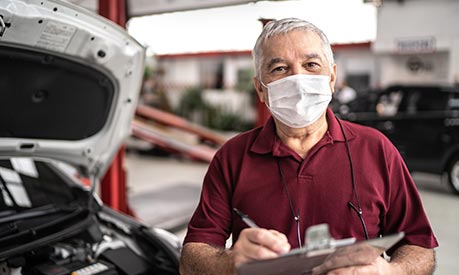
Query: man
{"points": [[305, 167]]}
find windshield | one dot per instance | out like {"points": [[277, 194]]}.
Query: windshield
{"points": [[26, 183]]}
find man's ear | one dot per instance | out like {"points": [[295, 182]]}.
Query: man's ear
{"points": [[259, 89], [333, 78]]}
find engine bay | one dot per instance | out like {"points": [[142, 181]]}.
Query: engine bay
{"points": [[101, 249]]}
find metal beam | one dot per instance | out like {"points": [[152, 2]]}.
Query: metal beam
{"points": [[150, 7]]}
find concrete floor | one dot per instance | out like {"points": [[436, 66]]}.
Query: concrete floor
{"points": [[442, 208], [164, 191]]}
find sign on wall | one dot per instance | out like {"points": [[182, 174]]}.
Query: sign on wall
{"points": [[415, 44]]}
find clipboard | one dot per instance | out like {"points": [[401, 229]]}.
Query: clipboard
{"points": [[303, 260]]}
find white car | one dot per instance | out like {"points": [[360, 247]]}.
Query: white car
{"points": [[69, 83]]}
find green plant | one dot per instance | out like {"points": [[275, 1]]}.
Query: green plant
{"points": [[148, 72], [190, 102], [192, 105], [224, 121], [245, 80]]}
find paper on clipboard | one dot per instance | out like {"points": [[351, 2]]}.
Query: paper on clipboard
{"points": [[303, 261]]}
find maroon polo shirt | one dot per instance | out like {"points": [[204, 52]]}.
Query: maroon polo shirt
{"points": [[244, 174]]}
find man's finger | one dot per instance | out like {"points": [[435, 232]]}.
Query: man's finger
{"points": [[355, 255], [256, 244], [279, 235], [276, 242]]}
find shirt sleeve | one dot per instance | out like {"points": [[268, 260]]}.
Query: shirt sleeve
{"points": [[211, 221], [405, 211]]}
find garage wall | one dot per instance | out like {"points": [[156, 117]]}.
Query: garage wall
{"points": [[417, 41]]}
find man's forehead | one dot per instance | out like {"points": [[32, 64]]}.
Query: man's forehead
{"points": [[297, 33], [307, 40]]}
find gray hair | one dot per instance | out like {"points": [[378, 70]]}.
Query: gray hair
{"points": [[283, 26]]}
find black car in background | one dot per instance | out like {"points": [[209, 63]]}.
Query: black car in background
{"points": [[421, 120]]}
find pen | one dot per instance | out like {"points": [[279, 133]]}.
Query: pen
{"points": [[245, 218]]}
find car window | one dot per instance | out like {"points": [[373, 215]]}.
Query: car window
{"points": [[453, 101], [415, 100], [388, 103], [432, 101], [412, 102]]}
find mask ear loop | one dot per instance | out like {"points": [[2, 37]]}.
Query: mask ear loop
{"points": [[357, 209]]}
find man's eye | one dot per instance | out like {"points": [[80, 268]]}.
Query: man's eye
{"points": [[312, 65], [279, 70]]}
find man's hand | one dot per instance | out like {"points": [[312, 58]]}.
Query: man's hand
{"points": [[362, 259], [353, 257], [365, 259], [257, 243], [253, 243], [378, 266]]}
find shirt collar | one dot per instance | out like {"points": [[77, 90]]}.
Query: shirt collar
{"points": [[334, 129], [268, 142], [265, 140]]}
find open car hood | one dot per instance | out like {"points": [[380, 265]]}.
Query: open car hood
{"points": [[69, 83]]}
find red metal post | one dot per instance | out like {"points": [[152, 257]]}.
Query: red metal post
{"points": [[113, 187], [115, 10]]}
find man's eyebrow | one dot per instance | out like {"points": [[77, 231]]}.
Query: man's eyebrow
{"points": [[274, 61]]}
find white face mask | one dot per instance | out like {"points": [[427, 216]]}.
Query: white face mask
{"points": [[299, 100]]}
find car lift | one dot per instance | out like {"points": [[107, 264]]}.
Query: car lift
{"points": [[160, 128]]}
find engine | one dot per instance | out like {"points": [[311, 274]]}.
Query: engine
{"points": [[76, 256], [98, 250]]}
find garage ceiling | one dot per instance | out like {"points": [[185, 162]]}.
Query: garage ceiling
{"points": [[148, 7]]}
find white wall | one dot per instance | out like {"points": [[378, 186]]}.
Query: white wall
{"points": [[395, 69], [425, 21], [359, 61], [231, 101], [231, 66], [182, 72], [417, 18]]}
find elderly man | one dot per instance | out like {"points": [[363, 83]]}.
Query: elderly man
{"points": [[305, 167]]}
